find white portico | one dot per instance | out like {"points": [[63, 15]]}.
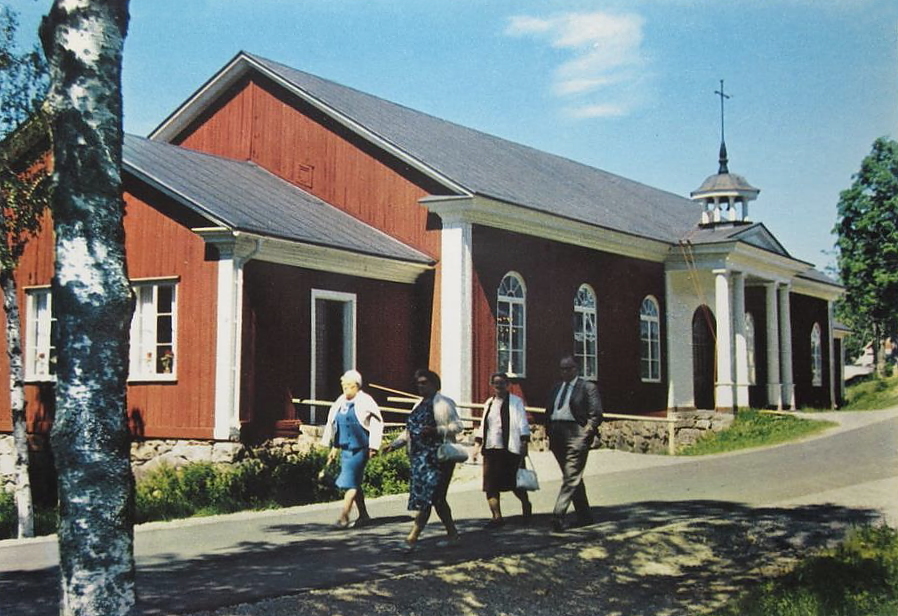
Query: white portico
{"points": [[719, 348]]}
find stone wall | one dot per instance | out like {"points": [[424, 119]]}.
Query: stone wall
{"points": [[636, 436]]}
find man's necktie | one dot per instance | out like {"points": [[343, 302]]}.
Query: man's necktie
{"points": [[563, 395]]}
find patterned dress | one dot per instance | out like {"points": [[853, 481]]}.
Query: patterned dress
{"points": [[425, 468]]}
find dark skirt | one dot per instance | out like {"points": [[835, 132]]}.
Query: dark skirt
{"points": [[500, 469], [352, 468]]}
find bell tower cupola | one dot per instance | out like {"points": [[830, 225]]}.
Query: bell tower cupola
{"points": [[725, 195]]}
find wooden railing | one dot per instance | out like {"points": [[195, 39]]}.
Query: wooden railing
{"points": [[411, 400]]}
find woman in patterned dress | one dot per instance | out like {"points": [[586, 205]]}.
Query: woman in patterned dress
{"points": [[433, 420], [354, 429]]}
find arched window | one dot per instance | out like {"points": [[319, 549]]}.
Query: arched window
{"points": [[511, 325], [750, 349], [650, 340], [585, 332], [816, 357]]}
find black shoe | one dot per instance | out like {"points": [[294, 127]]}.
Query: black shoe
{"points": [[495, 523], [527, 511], [558, 525]]}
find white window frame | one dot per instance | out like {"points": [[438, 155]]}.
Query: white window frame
{"points": [[650, 341], [816, 356], [511, 294], [751, 359], [586, 335], [39, 345], [145, 341]]}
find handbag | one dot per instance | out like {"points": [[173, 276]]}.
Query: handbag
{"points": [[451, 452], [526, 478]]}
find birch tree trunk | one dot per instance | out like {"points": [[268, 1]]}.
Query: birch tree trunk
{"points": [[83, 41], [24, 503]]}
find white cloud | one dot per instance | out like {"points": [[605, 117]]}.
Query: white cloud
{"points": [[600, 110], [605, 50]]}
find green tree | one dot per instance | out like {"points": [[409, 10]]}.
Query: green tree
{"points": [[25, 192], [867, 232], [84, 42]]}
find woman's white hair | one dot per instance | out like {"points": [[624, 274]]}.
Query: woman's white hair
{"points": [[353, 376]]}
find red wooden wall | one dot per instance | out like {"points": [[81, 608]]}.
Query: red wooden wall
{"points": [[158, 243], [552, 273]]}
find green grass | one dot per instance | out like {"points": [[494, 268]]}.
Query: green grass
{"points": [[872, 394], [755, 429], [857, 578]]}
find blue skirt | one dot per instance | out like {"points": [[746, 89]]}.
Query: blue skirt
{"points": [[352, 468]]}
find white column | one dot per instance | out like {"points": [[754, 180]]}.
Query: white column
{"points": [[774, 387], [788, 386], [227, 344], [741, 347], [456, 310], [724, 390]]}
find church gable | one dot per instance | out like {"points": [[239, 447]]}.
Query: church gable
{"points": [[759, 236]]}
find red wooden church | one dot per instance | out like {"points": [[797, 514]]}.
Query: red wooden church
{"points": [[282, 228]]}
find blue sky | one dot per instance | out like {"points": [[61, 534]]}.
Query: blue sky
{"points": [[623, 85]]}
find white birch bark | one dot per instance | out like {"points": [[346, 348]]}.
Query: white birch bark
{"points": [[83, 41], [24, 503]]}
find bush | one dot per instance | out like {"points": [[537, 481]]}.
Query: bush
{"points": [[266, 479], [857, 578], [8, 515], [44, 517]]}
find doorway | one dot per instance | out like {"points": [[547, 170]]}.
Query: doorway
{"points": [[704, 355], [333, 345]]}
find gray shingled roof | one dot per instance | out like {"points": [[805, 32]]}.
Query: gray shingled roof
{"points": [[755, 234], [244, 197], [504, 170]]}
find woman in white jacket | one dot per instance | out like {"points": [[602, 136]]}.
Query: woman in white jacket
{"points": [[503, 437], [354, 429]]}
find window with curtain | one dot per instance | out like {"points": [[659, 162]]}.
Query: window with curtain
{"points": [[816, 356], [153, 327], [40, 335], [585, 332], [650, 340], [750, 349], [511, 325]]}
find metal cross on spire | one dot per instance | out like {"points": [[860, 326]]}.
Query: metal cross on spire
{"points": [[723, 148]]}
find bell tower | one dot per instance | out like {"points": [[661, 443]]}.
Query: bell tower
{"points": [[725, 195]]}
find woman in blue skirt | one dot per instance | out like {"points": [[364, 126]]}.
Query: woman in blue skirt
{"points": [[354, 429]]}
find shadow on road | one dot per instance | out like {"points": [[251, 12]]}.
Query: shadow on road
{"points": [[643, 558]]}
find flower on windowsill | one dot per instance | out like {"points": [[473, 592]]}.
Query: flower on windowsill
{"points": [[167, 360]]}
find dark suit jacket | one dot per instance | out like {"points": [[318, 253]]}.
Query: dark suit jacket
{"points": [[585, 403]]}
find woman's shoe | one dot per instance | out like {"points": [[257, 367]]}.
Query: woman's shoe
{"points": [[360, 522], [495, 523], [341, 525], [452, 541], [527, 511]]}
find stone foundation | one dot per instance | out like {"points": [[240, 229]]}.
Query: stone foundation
{"points": [[636, 436]]}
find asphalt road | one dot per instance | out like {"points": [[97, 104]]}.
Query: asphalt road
{"points": [[848, 475]]}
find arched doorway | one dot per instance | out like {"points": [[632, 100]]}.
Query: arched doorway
{"points": [[704, 328]]}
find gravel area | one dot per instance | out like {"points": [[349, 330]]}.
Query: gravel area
{"points": [[691, 566]]}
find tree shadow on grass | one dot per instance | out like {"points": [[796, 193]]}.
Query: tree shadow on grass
{"points": [[649, 558]]}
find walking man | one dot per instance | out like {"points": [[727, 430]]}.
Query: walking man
{"points": [[574, 415]]}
